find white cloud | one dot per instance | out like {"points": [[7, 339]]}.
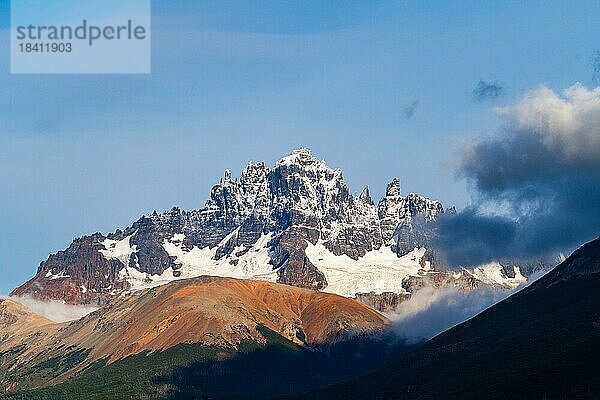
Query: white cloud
{"points": [[431, 311], [568, 125], [53, 310], [542, 170]]}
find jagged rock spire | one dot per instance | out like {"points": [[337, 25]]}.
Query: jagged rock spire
{"points": [[393, 188], [365, 197]]}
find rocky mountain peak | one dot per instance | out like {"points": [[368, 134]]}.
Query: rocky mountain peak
{"points": [[295, 223], [302, 156], [254, 170], [301, 162], [365, 196], [393, 188], [308, 190], [417, 204]]}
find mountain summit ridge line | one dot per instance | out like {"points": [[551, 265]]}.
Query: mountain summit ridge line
{"points": [[295, 223]]}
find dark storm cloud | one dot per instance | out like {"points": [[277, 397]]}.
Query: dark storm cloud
{"points": [[486, 90], [469, 238], [410, 109], [540, 176]]}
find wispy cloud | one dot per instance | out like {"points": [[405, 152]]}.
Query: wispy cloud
{"points": [[596, 68], [431, 311], [410, 109], [53, 310], [487, 90]]}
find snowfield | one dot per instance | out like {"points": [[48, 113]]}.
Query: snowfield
{"points": [[377, 271], [252, 264]]}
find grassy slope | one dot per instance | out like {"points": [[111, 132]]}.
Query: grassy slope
{"points": [[193, 371]]}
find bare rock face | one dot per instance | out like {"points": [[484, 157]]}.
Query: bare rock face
{"points": [[396, 212], [61, 276], [294, 266], [256, 226], [385, 301]]}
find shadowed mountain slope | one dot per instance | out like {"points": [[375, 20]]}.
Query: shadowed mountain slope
{"points": [[541, 343]]}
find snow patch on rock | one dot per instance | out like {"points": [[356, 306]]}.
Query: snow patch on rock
{"points": [[377, 271], [118, 249], [52, 276], [251, 264], [493, 274]]}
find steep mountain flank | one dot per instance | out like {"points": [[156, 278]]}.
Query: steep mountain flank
{"points": [[540, 343]]}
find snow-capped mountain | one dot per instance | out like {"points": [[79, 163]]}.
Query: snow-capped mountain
{"points": [[295, 223]]}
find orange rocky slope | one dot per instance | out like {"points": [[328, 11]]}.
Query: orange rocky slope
{"points": [[222, 311], [206, 310]]}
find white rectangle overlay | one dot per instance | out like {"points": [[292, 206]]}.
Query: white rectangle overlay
{"points": [[80, 37]]}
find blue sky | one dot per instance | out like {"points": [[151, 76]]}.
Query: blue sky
{"points": [[234, 81]]}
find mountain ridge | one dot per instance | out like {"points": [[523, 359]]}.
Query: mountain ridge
{"points": [[260, 226]]}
